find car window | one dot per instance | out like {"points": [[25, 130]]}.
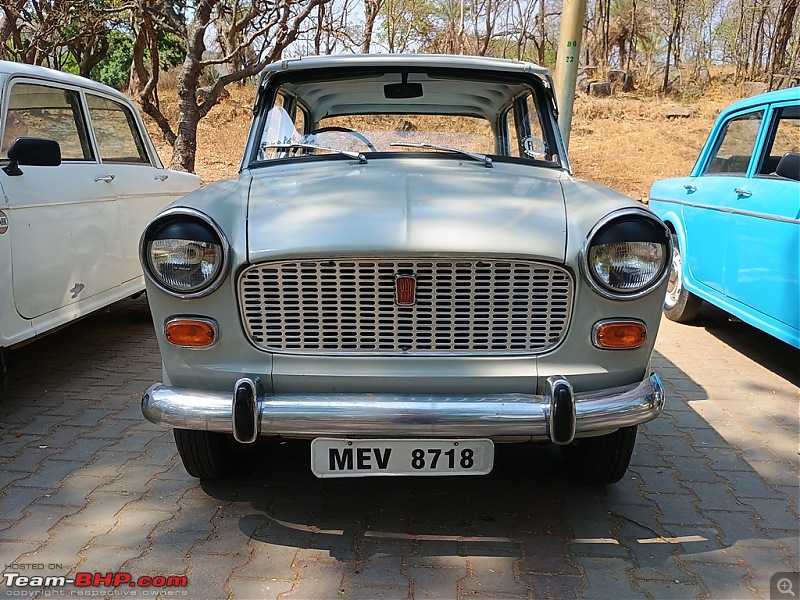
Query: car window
{"points": [[396, 112], [47, 112], [523, 127], [736, 145], [116, 131], [784, 137]]}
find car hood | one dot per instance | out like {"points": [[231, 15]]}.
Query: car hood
{"points": [[397, 207]]}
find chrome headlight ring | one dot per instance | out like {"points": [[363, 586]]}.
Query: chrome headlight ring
{"points": [[193, 255], [626, 255]]}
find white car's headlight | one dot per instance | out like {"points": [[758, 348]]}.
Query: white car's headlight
{"points": [[627, 255], [183, 254]]}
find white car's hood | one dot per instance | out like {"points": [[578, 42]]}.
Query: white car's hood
{"points": [[400, 207]]}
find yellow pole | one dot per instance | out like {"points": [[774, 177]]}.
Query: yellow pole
{"points": [[567, 59]]}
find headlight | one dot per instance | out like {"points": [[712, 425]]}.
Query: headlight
{"points": [[183, 254], [627, 255]]}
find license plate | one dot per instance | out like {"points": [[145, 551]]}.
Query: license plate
{"points": [[333, 457]]}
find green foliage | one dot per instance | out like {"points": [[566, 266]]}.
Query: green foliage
{"points": [[115, 68]]}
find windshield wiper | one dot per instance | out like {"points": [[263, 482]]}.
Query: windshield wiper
{"points": [[349, 154], [487, 161]]}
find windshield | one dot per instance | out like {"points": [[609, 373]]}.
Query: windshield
{"points": [[397, 113]]}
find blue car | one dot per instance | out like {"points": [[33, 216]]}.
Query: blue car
{"points": [[735, 219]]}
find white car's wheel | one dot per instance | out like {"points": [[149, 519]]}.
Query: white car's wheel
{"points": [[680, 304], [602, 460]]}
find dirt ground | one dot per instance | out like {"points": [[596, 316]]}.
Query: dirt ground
{"points": [[625, 142]]}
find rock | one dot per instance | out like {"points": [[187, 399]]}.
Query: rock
{"points": [[621, 78], [601, 88], [753, 88], [678, 112]]}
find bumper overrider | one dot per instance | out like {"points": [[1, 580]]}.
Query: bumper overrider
{"points": [[558, 414]]}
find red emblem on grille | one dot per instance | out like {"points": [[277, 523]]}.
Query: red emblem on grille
{"points": [[405, 290]]}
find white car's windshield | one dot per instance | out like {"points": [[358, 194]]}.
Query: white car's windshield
{"points": [[395, 113]]}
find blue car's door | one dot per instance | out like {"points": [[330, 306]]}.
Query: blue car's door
{"points": [[763, 267], [711, 196]]}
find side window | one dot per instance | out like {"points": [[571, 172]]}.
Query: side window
{"points": [[736, 145], [47, 112], [117, 134], [524, 129], [784, 137], [286, 123]]}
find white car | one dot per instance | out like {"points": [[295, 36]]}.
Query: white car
{"points": [[406, 272], [79, 179]]}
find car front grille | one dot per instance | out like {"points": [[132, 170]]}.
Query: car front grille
{"points": [[463, 306]]}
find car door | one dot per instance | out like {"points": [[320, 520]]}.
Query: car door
{"points": [[711, 196], [134, 174], [763, 267], [60, 219]]}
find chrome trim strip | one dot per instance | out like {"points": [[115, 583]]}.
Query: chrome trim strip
{"points": [[730, 211], [313, 415]]}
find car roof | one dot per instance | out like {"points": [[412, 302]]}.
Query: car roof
{"points": [[410, 60], [768, 98], [21, 69]]}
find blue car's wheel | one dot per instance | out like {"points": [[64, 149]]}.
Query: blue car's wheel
{"points": [[680, 305]]}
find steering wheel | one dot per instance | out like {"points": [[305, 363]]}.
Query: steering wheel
{"points": [[352, 132]]}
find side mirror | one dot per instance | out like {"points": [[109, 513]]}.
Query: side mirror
{"points": [[35, 152]]}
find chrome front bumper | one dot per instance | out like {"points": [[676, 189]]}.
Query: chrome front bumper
{"points": [[558, 415]]}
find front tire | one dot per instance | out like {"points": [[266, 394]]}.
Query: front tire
{"points": [[206, 454], [602, 460], [680, 305]]}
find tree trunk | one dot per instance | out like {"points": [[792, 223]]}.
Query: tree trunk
{"points": [[783, 34]]}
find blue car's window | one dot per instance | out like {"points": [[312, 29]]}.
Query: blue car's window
{"points": [[736, 145], [784, 138]]}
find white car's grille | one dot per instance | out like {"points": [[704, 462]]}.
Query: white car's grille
{"points": [[464, 306]]}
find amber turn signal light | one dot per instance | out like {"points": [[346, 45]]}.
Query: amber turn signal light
{"points": [[619, 335], [190, 333]]}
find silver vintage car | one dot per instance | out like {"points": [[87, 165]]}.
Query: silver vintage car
{"points": [[406, 273]]}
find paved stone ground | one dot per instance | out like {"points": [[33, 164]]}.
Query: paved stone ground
{"points": [[708, 509]]}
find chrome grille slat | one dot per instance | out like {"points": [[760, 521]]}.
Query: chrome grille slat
{"points": [[463, 306]]}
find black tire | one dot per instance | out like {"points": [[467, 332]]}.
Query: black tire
{"points": [[206, 454], [602, 460], [680, 305]]}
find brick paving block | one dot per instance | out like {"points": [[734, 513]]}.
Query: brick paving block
{"points": [[208, 574], [662, 568], [15, 500], [762, 563], [132, 528], [64, 436], [555, 587], [12, 552], [508, 548], [428, 553], [261, 589], [377, 570], [166, 554], [704, 437], [50, 474], [36, 524], [435, 583], [778, 473], [29, 457], [318, 580], [721, 557], [8, 477], [734, 525], [65, 546], [102, 508], [133, 477], [679, 509], [719, 581], [750, 485], [549, 558], [658, 480], [494, 575], [717, 497], [83, 450], [671, 589], [608, 547], [606, 577], [226, 538], [161, 494], [189, 518], [269, 561], [105, 559], [110, 429], [664, 426], [74, 490], [774, 513]]}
